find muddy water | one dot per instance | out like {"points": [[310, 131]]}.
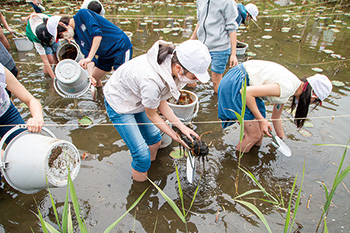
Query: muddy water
{"points": [[298, 37]]}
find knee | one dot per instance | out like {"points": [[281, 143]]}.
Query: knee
{"points": [[255, 137], [141, 160]]}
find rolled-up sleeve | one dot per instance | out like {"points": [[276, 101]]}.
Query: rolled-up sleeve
{"points": [[230, 15]]}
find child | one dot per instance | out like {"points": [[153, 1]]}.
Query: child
{"points": [[140, 87]]}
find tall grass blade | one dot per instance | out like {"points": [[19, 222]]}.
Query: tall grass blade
{"points": [[194, 197], [248, 193], [70, 221], [171, 203], [131, 207], [76, 206], [286, 224], [46, 227], [257, 212], [296, 206], [180, 191], [65, 211], [53, 205], [325, 225], [155, 225]]}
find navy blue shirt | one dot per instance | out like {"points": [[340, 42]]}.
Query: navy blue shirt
{"points": [[242, 14], [88, 24]]}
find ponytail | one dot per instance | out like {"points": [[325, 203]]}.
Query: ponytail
{"points": [[302, 108]]}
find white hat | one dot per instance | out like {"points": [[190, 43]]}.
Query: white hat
{"points": [[252, 9], [52, 24], [195, 57], [320, 85]]}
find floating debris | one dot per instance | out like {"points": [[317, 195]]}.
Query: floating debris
{"points": [[286, 20], [336, 55], [268, 30], [305, 133], [335, 30], [285, 29], [308, 124], [296, 36], [257, 45], [328, 51], [30, 54], [266, 37], [338, 83], [332, 26], [316, 69], [251, 54], [177, 153], [85, 121]]}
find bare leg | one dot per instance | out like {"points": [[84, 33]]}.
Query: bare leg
{"points": [[98, 74], [252, 136], [139, 176], [154, 149], [216, 78], [4, 41]]}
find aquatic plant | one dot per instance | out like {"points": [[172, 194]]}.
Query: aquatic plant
{"points": [[66, 225]]}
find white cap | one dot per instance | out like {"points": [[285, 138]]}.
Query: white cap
{"points": [[195, 57], [252, 9], [321, 85], [52, 24]]}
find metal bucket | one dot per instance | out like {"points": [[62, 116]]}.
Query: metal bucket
{"points": [[241, 48], [71, 79], [31, 158], [187, 111], [23, 44], [69, 50]]}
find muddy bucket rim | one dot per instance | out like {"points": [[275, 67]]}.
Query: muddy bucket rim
{"points": [[195, 102]]}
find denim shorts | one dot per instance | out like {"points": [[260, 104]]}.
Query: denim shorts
{"points": [[136, 136], [115, 62], [219, 60], [52, 49], [36, 8], [10, 117]]}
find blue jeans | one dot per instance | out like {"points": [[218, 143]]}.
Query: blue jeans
{"points": [[106, 64], [138, 132], [219, 60], [52, 49]]}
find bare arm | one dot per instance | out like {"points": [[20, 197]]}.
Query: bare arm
{"points": [[261, 91], [194, 34], [36, 122], [3, 20], [276, 117], [233, 57], [94, 47], [47, 65]]}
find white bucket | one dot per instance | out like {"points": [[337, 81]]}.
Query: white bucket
{"points": [[30, 158], [71, 79], [185, 112], [166, 139], [69, 50], [129, 34], [23, 44], [242, 48]]}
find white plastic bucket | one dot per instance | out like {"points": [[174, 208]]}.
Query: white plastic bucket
{"points": [[23, 44], [166, 139], [71, 79], [186, 112], [129, 34], [242, 49], [30, 158], [69, 50]]}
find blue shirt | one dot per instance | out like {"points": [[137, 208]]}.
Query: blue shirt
{"points": [[242, 14], [88, 24]]}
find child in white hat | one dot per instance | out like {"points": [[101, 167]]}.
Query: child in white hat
{"points": [[139, 88], [271, 82]]}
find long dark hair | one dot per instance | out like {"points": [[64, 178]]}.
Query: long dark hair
{"points": [[43, 34], [302, 108], [164, 51]]}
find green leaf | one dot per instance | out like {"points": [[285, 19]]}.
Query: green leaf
{"points": [[257, 212], [248, 193], [286, 224], [180, 190], [194, 196], [177, 153], [171, 202], [85, 121], [131, 207]]}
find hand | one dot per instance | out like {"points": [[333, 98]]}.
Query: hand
{"points": [[265, 127], [35, 125], [188, 132], [233, 60], [93, 81], [84, 62], [11, 31]]}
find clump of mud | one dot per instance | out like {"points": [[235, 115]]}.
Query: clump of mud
{"points": [[69, 53], [184, 99]]}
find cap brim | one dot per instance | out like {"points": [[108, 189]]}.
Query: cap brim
{"points": [[253, 17], [203, 78]]}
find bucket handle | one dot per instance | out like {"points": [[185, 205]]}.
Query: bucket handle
{"points": [[189, 118], [70, 96], [3, 164]]}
